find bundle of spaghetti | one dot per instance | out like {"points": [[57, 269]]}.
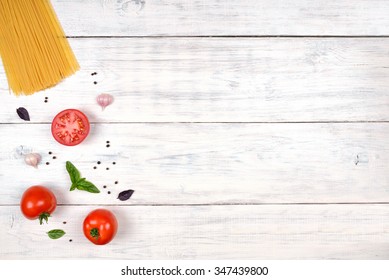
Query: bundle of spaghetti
{"points": [[35, 52]]}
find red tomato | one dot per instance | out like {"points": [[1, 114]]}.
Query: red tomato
{"points": [[38, 202], [100, 226], [70, 127]]}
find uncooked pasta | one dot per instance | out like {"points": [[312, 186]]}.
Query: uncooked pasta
{"points": [[35, 52]]}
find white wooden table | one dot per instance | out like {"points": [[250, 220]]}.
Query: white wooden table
{"points": [[248, 129]]}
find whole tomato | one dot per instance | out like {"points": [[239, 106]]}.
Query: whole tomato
{"points": [[100, 226], [38, 202]]}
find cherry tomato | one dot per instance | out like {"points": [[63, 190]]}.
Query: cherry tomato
{"points": [[38, 202], [70, 127], [100, 226]]}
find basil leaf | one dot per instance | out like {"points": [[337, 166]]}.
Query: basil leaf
{"points": [[23, 113], [73, 172], [84, 185], [56, 233], [125, 195], [77, 182], [73, 186]]}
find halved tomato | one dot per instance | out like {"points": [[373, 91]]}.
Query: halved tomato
{"points": [[70, 127]]}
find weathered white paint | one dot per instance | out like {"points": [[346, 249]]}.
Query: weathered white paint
{"points": [[209, 80], [215, 17], [256, 172], [207, 232], [207, 163]]}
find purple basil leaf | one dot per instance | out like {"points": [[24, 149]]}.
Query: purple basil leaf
{"points": [[125, 195], [23, 113]]}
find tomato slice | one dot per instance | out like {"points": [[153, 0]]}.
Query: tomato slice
{"points": [[70, 127]]}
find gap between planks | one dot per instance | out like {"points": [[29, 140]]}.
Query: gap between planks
{"points": [[229, 122], [215, 204], [229, 36]]}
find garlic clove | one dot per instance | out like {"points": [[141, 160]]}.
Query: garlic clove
{"points": [[104, 100], [32, 159]]}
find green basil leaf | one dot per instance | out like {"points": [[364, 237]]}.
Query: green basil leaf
{"points": [[73, 186], [73, 172], [78, 182], [84, 185], [56, 233]]}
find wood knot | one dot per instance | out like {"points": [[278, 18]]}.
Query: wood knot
{"points": [[132, 6]]}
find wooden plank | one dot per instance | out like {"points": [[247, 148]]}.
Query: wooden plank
{"points": [[208, 232], [206, 163], [233, 17], [220, 80]]}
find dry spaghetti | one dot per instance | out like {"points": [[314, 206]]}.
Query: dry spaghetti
{"points": [[35, 51]]}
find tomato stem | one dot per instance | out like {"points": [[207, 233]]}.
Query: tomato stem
{"points": [[44, 216], [94, 232]]}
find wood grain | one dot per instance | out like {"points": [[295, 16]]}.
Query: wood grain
{"points": [[213, 17], [220, 80], [239, 144], [208, 232], [206, 163]]}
